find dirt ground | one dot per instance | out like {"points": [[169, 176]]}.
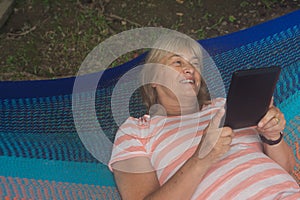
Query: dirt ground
{"points": [[50, 39]]}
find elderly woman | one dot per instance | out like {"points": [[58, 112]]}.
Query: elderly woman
{"points": [[160, 156]]}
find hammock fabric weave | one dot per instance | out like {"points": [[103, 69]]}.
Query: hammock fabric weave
{"points": [[42, 156]]}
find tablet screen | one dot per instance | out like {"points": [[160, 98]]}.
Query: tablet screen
{"points": [[249, 96]]}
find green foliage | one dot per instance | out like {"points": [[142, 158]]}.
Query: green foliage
{"points": [[231, 18]]}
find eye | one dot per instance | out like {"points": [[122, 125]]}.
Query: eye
{"points": [[177, 63], [195, 64]]}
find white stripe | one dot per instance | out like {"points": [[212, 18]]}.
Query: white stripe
{"points": [[290, 192], [133, 131], [240, 177], [252, 190], [247, 139], [221, 171], [183, 131], [191, 133], [175, 153], [126, 144]]}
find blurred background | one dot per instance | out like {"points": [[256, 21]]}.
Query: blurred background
{"points": [[47, 39]]}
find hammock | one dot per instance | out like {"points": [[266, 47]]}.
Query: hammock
{"points": [[42, 156]]}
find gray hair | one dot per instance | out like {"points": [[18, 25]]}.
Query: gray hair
{"points": [[177, 45]]}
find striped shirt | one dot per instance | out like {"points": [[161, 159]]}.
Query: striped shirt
{"points": [[244, 172]]}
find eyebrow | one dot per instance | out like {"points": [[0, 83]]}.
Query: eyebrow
{"points": [[182, 56]]}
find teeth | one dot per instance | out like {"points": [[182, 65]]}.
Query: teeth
{"points": [[187, 81]]}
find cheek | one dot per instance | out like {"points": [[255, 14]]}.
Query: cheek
{"points": [[166, 77], [198, 79]]}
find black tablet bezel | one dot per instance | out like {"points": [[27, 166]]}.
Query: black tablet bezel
{"points": [[249, 96]]}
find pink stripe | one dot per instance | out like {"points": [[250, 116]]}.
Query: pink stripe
{"points": [[230, 158], [170, 133], [39, 189], [1, 191], [52, 189], [167, 170], [123, 138], [286, 186], [8, 192], [131, 150], [250, 181], [60, 187], [47, 193], [226, 177], [21, 185], [172, 146], [67, 193], [15, 189], [295, 196], [31, 192]]}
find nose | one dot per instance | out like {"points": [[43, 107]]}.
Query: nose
{"points": [[188, 69]]}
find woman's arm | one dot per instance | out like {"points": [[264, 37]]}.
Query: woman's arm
{"points": [[282, 154], [146, 186], [136, 179], [270, 127]]}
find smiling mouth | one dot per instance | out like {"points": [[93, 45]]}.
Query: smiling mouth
{"points": [[187, 81]]}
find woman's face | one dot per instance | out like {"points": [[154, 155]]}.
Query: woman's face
{"points": [[178, 80], [186, 67]]}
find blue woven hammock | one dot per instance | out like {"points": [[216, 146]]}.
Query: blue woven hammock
{"points": [[42, 157]]}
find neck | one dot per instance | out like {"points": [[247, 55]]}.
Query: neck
{"points": [[175, 109]]}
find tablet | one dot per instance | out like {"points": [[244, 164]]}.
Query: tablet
{"points": [[249, 96]]}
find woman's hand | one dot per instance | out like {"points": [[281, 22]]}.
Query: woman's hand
{"points": [[272, 123], [270, 127], [215, 141]]}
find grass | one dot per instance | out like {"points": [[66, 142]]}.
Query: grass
{"points": [[59, 34], [69, 45], [86, 27], [269, 3]]}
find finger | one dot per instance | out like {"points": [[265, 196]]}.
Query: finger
{"points": [[216, 120], [275, 125], [271, 102], [274, 122], [226, 140], [227, 131], [272, 112], [212, 134]]}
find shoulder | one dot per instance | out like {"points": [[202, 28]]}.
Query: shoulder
{"points": [[137, 123], [135, 127]]}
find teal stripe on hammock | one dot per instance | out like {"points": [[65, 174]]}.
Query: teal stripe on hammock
{"points": [[59, 171], [59, 146], [291, 109], [288, 83]]}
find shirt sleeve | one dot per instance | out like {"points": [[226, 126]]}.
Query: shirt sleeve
{"points": [[129, 141]]}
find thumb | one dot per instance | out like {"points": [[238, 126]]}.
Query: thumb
{"points": [[271, 102], [216, 120]]}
